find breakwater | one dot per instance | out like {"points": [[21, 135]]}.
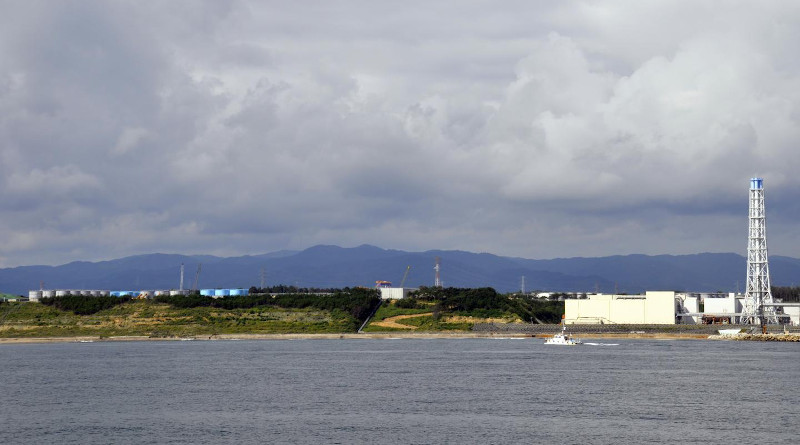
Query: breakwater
{"points": [[795, 337]]}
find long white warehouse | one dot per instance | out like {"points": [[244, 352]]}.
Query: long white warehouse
{"points": [[654, 307]]}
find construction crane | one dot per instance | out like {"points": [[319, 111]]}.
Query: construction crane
{"points": [[405, 275], [197, 276]]}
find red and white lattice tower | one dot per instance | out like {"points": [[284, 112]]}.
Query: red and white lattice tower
{"points": [[754, 309]]}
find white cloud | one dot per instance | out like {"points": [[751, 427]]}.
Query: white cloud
{"points": [[537, 129]]}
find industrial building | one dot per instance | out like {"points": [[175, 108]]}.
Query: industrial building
{"points": [[666, 307], [394, 293], [654, 307]]}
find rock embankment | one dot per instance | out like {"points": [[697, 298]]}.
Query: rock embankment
{"points": [[758, 337]]}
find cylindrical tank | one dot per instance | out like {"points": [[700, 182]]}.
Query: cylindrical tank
{"points": [[179, 292], [221, 292], [207, 292], [34, 295], [62, 293], [48, 293], [104, 293], [238, 292]]}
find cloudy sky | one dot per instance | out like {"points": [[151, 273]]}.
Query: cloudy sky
{"points": [[537, 129]]}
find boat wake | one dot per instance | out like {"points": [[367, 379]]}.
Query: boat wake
{"points": [[602, 344]]}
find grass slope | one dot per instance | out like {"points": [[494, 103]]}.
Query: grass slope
{"points": [[148, 318]]}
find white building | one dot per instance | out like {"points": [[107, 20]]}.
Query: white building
{"points": [[722, 306], [687, 308], [394, 293], [654, 307], [794, 314]]}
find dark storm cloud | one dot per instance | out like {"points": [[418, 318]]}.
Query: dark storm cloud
{"points": [[535, 129]]}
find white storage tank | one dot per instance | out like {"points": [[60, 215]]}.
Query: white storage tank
{"points": [[48, 293], [62, 293], [34, 295], [178, 292]]}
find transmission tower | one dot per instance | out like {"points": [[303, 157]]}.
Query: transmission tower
{"points": [[438, 281], [758, 296]]}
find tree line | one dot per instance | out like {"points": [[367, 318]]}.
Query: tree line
{"points": [[786, 293], [358, 302], [486, 301]]}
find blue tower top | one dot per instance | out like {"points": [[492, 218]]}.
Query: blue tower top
{"points": [[756, 183]]}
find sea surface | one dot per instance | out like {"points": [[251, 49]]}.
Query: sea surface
{"points": [[415, 391]]}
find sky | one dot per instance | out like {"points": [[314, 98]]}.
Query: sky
{"points": [[536, 129]]}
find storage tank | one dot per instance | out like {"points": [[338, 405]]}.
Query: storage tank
{"points": [[207, 292], [104, 293], [48, 293], [34, 295], [161, 293], [219, 293], [179, 292], [62, 293], [238, 292]]}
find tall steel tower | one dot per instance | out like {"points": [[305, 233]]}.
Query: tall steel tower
{"points": [[758, 293], [437, 267]]}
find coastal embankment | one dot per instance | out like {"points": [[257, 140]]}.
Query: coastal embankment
{"points": [[351, 336], [793, 337]]}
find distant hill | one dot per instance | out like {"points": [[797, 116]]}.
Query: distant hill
{"points": [[332, 266]]}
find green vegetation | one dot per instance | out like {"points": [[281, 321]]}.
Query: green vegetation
{"points": [[81, 305], [459, 309], [786, 294], [336, 311], [487, 303], [342, 311]]}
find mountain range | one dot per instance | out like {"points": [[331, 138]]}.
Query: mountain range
{"points": [[325, 266]]}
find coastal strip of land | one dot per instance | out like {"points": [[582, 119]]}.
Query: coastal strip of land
{"points": [[398, 335]]}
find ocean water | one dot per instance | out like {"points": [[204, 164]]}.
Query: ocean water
{"points": [[416, 391]]}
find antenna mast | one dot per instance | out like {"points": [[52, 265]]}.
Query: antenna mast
{"points": [[438, 281], [197, 276]]}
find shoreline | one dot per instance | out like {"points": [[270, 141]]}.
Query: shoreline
{"points": [[347, 336]]}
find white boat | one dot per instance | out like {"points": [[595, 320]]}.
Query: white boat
{"points": [[564, 338]]}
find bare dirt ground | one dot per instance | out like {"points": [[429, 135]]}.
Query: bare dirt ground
{"points": [[391, 322]]}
